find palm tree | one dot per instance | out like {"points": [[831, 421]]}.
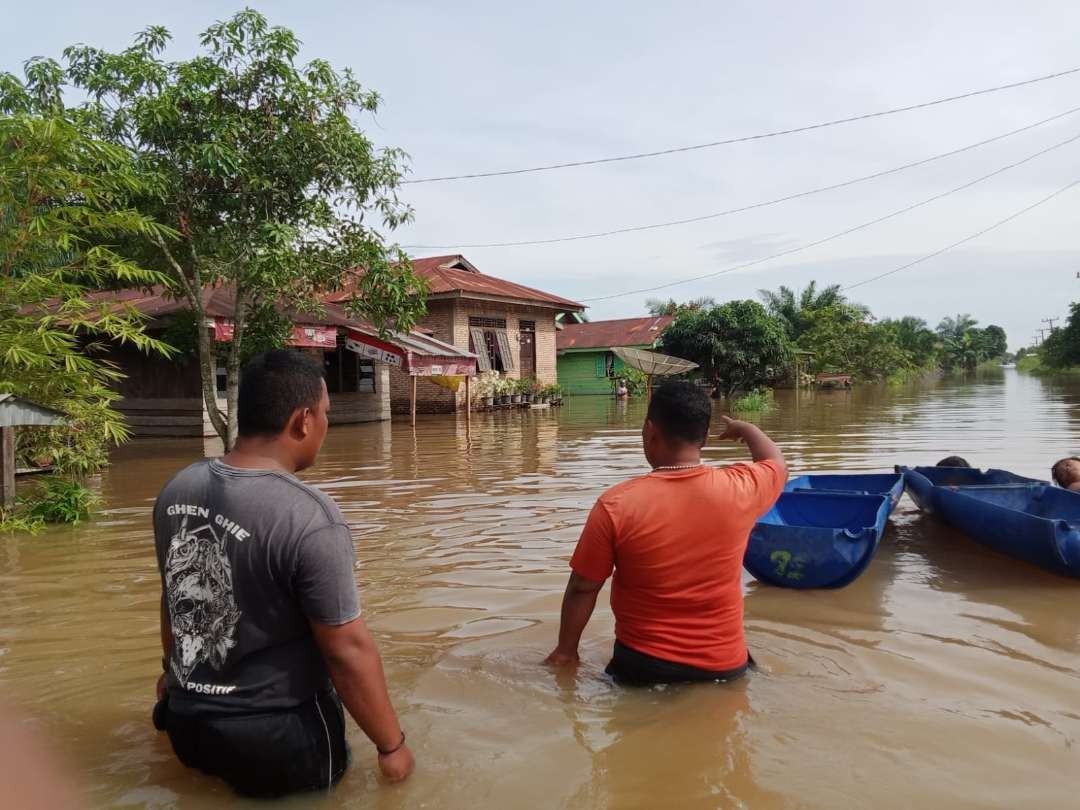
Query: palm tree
{"points": [[658, 306], [962, 342], [794, 308]]}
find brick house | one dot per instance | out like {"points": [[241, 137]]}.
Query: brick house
{"points": [[511, 328]]}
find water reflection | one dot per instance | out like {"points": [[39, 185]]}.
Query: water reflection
{"points": [[945, 676]]}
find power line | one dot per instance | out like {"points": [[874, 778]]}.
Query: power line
{"points": [[753, 206], [842, 233], [745, 138], [966, 239]]}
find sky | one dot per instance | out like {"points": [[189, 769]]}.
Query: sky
{"points": [[486, 86]]}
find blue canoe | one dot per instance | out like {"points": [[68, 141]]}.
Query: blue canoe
{"points": [[1034, 522], [888, 484], [924, 483], [816, 539]]}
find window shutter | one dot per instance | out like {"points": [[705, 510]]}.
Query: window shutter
{"points": [[502, 341], [483, 361], [601, 364]]}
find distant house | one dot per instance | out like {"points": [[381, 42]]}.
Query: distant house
{"points": [[509, 326], [586, 363], [163, 397]]}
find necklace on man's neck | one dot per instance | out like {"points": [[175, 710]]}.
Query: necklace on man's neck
{"points": [[677, 466]]}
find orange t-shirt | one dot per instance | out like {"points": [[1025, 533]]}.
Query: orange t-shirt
{"points": [[675, 540]]}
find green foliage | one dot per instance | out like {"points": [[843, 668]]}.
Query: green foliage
{"points": [[61, 500], [1061, 349], [20, 524], [756, 400], [256, 163], [659, 307], [61, 197], [965, 346], [738, 345], [637, 382], [796, 309]]}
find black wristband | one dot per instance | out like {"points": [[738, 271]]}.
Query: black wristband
{"points": [[393, 750]]}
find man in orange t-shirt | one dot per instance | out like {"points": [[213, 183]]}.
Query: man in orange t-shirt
{"points": [[675, 540]]}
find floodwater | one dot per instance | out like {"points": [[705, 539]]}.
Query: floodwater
{"points": [[946, 676]]}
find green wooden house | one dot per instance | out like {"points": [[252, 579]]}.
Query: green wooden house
{"points": [[586, 362]]}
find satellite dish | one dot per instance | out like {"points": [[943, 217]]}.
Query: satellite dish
{"points": [[652, 363]]}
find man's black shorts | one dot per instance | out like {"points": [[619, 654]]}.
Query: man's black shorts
{"points": [[633, 668], [267, 754]]}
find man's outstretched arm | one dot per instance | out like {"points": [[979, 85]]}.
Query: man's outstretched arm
{"points": [[578, 604], [355, 667], [761, 447]]}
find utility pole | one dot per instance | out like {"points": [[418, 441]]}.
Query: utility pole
{"points": [[1051, 322]]}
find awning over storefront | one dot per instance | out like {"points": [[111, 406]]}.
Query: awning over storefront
{"points": [[418, 355]]}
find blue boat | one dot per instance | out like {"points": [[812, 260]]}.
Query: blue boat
{"points": [[888, 484], [817, 539], [1024, 518], [923, 482]]}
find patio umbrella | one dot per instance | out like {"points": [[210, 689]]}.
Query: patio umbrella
{"points": [[653, 364]]}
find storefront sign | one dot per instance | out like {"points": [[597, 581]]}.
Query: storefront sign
{"points": [[307, 337]]}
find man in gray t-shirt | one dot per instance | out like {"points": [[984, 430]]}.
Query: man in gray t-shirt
{"points": [[260, 614]]}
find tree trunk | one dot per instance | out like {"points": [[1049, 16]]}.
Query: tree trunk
{"points": [[208, 375], [192, 289], [232, 369]]}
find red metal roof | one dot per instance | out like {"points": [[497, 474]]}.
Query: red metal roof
{"points": [[218, 302], [455, 276], [605, 334]]}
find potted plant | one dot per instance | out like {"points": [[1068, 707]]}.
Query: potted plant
{"points": [[556, 394], [485, 388], [504, 392], [515, 392]]}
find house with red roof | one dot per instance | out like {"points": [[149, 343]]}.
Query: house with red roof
{"points": [[585, 360], [510, 327], [474, 322]]}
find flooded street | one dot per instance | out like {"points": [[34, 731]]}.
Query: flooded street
{"points": [[945, 676]]}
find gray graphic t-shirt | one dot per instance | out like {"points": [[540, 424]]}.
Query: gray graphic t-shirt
{"points": [[247, 559]]}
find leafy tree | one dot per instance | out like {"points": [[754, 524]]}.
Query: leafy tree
{"points": [[255, 163], [738, 345], [1061, 349], [795, 309], [965, 346], [61, 213], [997, 344], [920, 343], [658, 306]]}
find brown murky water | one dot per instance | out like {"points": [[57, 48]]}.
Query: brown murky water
{"points": [[946, 676]]}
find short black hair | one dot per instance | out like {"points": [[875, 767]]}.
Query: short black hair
{"points": [[953, 461], [272, 386], [681, 410], [1055, 473]]}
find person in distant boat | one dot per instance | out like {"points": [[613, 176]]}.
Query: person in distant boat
{"points": [[952, 461], [1066, 473], [675, 540]]}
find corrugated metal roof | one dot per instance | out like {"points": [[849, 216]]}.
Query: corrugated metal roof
{"points": [[16, 411], [606, 334], [455, 275]]}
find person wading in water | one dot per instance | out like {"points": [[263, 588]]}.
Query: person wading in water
{"points": [[260, 617], [675, 540]]}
